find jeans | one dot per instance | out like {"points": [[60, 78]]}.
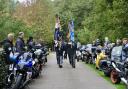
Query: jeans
{"points": [[59, 58]]}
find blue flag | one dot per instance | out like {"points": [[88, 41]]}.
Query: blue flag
{"points": [[71, 30]]}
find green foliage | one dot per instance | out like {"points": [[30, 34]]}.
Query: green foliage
{"points": [[100, 17], [7, 25], [35, 20]]}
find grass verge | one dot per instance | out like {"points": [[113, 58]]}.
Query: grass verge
{"points": [[118, 86]]}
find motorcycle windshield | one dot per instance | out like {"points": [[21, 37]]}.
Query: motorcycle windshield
{"points": [[25, 60], [116, 53]]}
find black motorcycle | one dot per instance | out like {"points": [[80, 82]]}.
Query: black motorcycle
{"points": [[119, 72], [86, 56], [39, 59], [106, 65]]}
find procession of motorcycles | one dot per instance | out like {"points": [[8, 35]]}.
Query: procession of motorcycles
{"points": [[110, 58], [24, 67]]}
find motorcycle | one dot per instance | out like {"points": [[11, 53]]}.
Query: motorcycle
{"points": [[106, 65], [39, 59], [86, 56], [78, 55], [22, 71], [119, 68], [120, 72]]}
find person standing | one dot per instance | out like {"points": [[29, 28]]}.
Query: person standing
{"points": [[106, 42], [59, 52], [20, 44], [125, 49], [71, 51], [8, 47], [30, 43], [58, 42], [98, 42]]}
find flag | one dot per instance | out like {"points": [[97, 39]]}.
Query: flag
{"points": [[71, 30]]}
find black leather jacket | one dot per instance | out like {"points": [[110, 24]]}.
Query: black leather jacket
{"points": [[8, 47]]}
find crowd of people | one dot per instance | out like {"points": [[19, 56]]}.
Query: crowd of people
{"points": [[107, 46], [20, 46]]}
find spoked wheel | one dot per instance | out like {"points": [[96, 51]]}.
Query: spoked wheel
{"points": [[115, 77]]}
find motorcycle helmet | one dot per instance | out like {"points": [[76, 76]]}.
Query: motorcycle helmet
{"points": [[98, 50], [13, 57]]}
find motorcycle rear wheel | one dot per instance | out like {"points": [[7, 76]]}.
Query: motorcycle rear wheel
{"points": [[115, 77]]}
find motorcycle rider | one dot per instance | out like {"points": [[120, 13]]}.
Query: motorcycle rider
{"points": [[8, 47], [125, 49], [98, 42], [106, 42], [20, 44], [118, 42], [93, 43], [100, 56], [107, 47], [30, 43]]}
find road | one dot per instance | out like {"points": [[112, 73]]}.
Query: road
{"points": [[82, 77]]}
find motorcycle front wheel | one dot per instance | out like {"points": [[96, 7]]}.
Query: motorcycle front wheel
{"points": [[17, 82]]}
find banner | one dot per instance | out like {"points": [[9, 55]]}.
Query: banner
{"points": [[71, 30]]}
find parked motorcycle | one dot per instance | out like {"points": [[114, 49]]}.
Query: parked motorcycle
{"points": [[22, 71], [86, 56], [106, 65], [120, 72], [78, 55]]}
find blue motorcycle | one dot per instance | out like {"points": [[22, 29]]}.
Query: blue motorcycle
{"points": [[21, 70]]}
